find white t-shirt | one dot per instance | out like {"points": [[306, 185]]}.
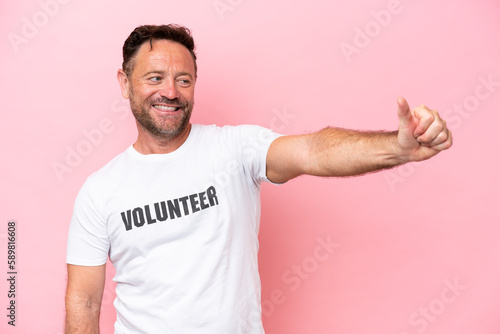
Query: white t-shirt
{"points": [[181, 231]]}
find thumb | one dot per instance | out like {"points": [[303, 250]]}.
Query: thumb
{"points": [[404, 112]]}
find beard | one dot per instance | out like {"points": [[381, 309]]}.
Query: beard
{"points": [[166, 127]]}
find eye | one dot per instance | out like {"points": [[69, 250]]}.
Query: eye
{"points": [[155, 79], [184, 82]]}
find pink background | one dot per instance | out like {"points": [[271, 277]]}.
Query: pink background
{"points": [[402, 236]]}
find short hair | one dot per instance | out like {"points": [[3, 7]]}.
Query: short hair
{"points": [[145, 33]]}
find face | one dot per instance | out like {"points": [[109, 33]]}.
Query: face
{"points": [[161, 88]]}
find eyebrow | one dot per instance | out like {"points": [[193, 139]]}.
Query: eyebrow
{"points": [[163, 72]]}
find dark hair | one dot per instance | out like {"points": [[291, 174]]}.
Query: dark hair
{"points": [[142, 34]]}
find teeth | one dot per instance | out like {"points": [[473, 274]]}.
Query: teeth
{"points": [[160, 107]]}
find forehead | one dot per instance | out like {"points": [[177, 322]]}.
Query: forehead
{"points": [[164, 55]]}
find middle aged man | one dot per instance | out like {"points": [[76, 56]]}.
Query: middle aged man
{"points": [[178, 211]]}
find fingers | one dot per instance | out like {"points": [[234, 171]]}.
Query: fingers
{"points": [[426, 118], [446, 144], [443, 141], [422, 133], [431, 130], [404, 112]]}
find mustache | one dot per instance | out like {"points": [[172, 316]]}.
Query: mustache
{"points": [[165, 100]]}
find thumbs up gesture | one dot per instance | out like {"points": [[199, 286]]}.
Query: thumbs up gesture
{"points": [[422, 133]]}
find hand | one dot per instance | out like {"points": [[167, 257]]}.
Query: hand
{"points": [[422, 133]]}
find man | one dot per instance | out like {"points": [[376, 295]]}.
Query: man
{"points": [[178, 212]]}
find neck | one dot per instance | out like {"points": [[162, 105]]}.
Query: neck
{"points": [[148, 143]]}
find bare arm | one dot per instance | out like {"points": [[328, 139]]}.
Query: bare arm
{"points": [[340, 152], [83, 298]]}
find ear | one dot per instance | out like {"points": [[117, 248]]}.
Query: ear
{"points": [[124, 83]]}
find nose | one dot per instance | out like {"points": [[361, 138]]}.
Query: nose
{"points": [[169, 90]]}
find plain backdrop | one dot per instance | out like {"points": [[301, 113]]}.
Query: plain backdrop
{"points": [[405, 251]]}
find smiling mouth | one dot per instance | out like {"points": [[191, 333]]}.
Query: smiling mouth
{"points": [[165, 108]]}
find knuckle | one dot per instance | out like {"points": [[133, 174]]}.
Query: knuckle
{"points": [[440, 127], [442, 137], [448, 142], [427, 115], [424, 139]]}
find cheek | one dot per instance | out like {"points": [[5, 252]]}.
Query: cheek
{"points": [[145, 94], [188, 94]]}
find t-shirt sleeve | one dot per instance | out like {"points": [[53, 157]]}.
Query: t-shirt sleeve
{"points": [[88, 242], [253, 144]]}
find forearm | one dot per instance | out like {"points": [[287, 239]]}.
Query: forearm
{"points": [[82, 315], [341, 152]]}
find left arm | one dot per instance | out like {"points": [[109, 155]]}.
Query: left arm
{"points": [[339, 152]]}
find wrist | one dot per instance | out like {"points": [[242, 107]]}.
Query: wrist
{"points": [[396, 154]]}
